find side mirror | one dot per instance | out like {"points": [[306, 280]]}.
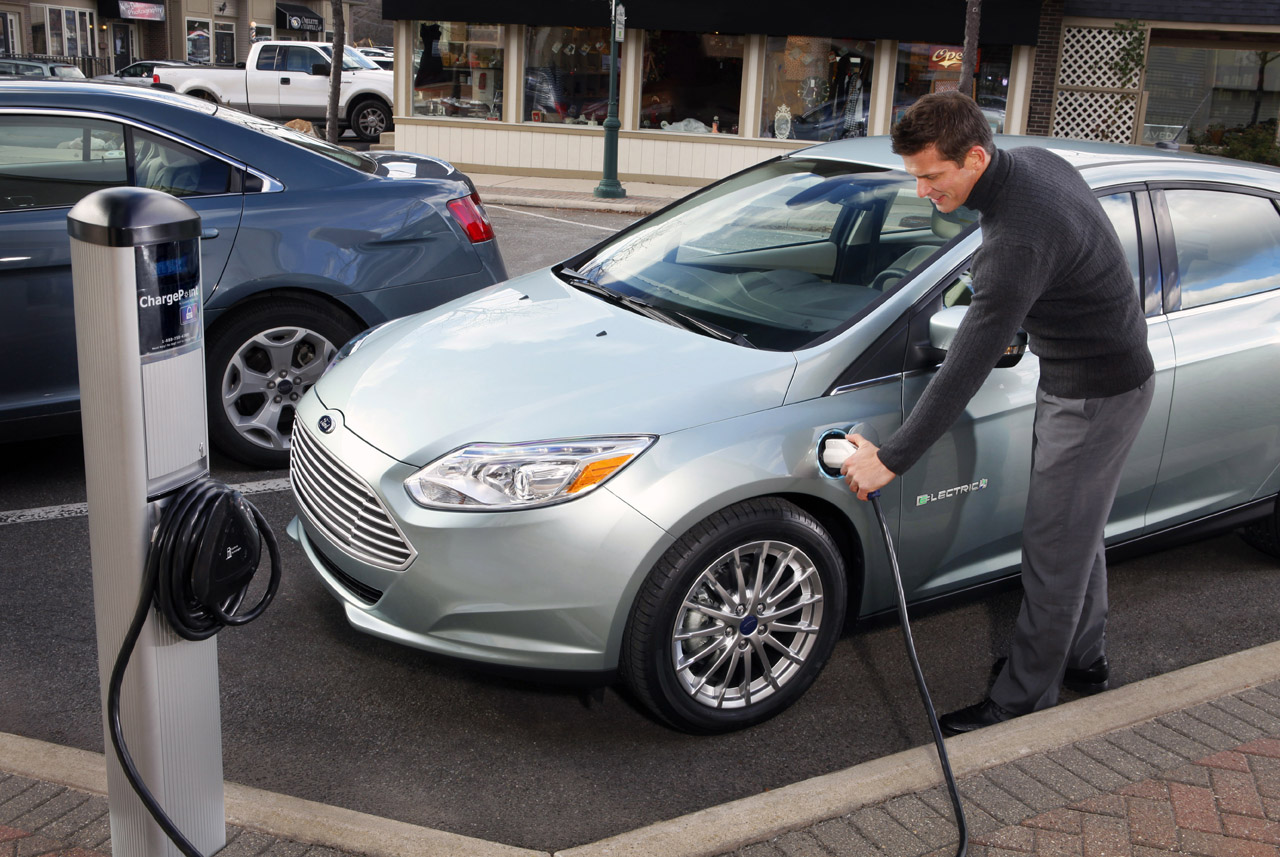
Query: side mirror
{"points": [[321, 68], [942, 332]]}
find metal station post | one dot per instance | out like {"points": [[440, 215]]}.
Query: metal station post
{"points": [[135, 260]]}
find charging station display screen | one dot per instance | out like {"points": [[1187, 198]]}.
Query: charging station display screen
{"points": [[168, 296]]}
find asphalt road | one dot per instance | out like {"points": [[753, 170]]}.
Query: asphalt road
{"points": [[314, 709]]}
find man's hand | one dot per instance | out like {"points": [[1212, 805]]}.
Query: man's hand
{"points": [[863, 470]]}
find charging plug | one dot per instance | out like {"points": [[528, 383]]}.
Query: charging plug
{"points": [[835, 451], [228, 554]]}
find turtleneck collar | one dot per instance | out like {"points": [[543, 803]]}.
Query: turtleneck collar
{"points": [[986, 190]]}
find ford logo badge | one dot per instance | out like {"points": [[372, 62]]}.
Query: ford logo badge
{"points": [[325, 423]]}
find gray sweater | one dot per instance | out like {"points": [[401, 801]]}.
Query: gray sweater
{"points": [[1050, 263]]}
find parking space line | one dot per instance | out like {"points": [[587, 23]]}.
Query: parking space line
{"points": [[556, 219], [77, 510]]}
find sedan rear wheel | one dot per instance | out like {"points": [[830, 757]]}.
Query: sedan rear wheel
{"points": [[737, 619], [260, 362]]}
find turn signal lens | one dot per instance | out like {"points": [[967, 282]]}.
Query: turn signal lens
{"points": [[471, 216]]}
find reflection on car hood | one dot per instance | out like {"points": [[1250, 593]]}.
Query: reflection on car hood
{"points": [[534, 359]]}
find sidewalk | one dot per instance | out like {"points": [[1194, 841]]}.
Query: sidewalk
{"points": [[546, 192], [1183, 763]]}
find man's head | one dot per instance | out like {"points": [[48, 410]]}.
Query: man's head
{"points": [[945, 142]]}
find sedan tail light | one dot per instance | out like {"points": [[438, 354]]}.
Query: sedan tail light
{"points": [[471, 216]]}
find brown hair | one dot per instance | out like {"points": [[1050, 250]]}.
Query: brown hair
{"points": [[951, 121]]}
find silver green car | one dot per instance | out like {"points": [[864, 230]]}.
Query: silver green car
{"points": [[610, 465]]}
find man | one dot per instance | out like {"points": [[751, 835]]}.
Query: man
{"points": [[1050, 263]]}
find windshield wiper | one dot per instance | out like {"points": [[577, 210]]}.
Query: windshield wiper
{"points": [[642, 307]]}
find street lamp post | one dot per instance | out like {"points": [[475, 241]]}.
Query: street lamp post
{"points": [[609, 186]]}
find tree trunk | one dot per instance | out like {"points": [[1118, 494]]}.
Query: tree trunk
{"points": [[1264, 57], [972, 19], [331, 130]]}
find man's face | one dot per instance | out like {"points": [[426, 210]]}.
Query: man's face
{"points": [[945, 183]]}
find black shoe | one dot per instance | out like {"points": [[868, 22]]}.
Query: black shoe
{"points": [[1094, 678], [985, 713]]}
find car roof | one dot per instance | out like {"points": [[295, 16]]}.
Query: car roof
{"points": [[1083, 154], [96, 94]]}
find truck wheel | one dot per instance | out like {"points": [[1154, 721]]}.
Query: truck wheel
{"points": [[259, 363], [203, 96], [736, 619], [369, 119]]}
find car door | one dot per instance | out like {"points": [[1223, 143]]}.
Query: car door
{"points": [[49, 162], [303, 95], [262, 82], [1221, 251], [963, 501]]}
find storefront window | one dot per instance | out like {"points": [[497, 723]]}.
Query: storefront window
{"points": [[816, 88], [197, 41], [924, 68], [9, 35], [691, 82], [457, 69], [1207, 93], [566, 75], [261, 33]]}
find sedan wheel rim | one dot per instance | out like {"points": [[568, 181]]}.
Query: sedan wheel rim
{"points": [[266, 377], [747, 625]]}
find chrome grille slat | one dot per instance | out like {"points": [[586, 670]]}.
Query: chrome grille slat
{"points": [[343, 506]]}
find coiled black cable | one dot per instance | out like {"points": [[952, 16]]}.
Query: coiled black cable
{"points": [[179, 552]]}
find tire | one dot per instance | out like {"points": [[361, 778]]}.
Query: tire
{"points": [[369, 119], [259, 362], [745, 658], [1265, 534]]}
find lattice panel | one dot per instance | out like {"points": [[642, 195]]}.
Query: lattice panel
{"points": [[1087, 56], [1104, 116]]}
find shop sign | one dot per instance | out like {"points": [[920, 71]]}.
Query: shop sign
{"points": [[945, 57], [140, 11]]}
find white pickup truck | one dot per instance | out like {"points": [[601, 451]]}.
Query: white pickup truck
{"points": [[290, 80]]}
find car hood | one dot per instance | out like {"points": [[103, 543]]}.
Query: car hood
{"points": [[534, 359]]}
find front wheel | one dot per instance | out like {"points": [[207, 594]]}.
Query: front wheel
{"points": [[260, 362], [369, 119], [737, 619]]}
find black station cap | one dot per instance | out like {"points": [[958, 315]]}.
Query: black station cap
{"points": [[131, 217]]}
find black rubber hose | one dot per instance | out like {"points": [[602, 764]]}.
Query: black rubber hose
{"points": [[962, 828]]}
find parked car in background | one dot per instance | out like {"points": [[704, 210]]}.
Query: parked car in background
{"points": [[40, 68], [304, 245], [612, 464], [141, 73], [290, 80]]}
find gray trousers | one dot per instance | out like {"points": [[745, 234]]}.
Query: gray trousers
{"points": [[1078, 452]]}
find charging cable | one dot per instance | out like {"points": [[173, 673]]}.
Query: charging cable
{"points": [[834, 450], [203, 556]]}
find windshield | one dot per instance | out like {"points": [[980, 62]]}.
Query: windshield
{"points": [[351, 59], [356, 160], [781, 254]]}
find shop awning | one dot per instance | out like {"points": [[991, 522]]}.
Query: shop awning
{"points": [[1004, 22], [293, 16], [131, 10]]}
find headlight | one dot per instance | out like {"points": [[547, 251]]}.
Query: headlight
{"points": [[520, 475]]}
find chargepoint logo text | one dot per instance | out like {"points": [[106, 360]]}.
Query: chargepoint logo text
{"points": [[926, 499], [149, 301]]}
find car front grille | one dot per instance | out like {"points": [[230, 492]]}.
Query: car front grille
{"points": [[343, 506]]}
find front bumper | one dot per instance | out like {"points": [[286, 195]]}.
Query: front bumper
{"points": [[545, 588]]}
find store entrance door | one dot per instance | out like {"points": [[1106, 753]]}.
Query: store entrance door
{"points": [[124, 41]]}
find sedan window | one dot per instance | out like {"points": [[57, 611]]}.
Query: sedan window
{"points": [[1228, 244], [1120, 211], [56, 161], [162, 164]]}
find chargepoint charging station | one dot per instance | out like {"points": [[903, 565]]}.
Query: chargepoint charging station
{"points": [[172, 551]]}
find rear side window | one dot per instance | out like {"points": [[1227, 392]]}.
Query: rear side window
{"points": [[1228, 244], [267, 58], [56, 161], [162, 164]]}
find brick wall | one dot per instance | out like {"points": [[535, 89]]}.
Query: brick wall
{"points": [[1045, 72]]}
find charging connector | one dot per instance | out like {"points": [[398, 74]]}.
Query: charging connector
{"points": [[204, 553]]}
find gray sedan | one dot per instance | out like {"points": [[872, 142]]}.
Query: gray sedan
{"points": [[611, 465], [304, 245]]}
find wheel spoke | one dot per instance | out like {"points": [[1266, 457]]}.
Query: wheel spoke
{"points": [[725, 598], [709, 631], [793, 629], [791, 608], [779, 571], [707, 610], [712, 671], [758, 644], [737, 573], [799, 579], [734, 656], [681, 666], [785, 651]]}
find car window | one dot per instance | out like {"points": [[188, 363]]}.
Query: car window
{"points": [[1228, 244], [139, 70], [56, 161], [301, 59], [1120, 210], [162, 164], [267, 58]]}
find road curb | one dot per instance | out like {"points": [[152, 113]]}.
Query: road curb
{"points": [[723, 828]]}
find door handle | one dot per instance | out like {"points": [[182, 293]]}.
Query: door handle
{"points": [[284, 81], [208, 234]]}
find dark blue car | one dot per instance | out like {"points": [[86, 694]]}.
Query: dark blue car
{"points": [[304, 245]]}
